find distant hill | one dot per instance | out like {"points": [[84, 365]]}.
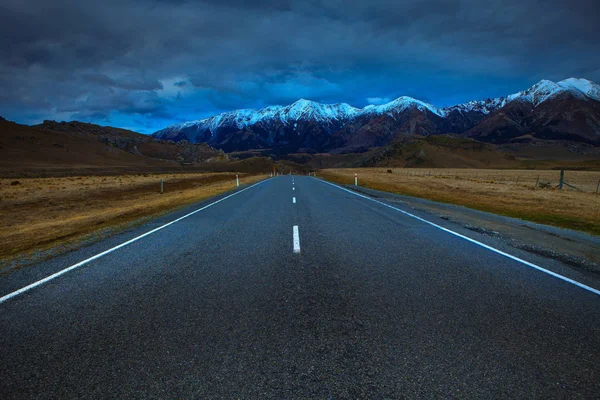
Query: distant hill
{"points": [[76, 148], [139, 144], [566, 110], [446, 151], [53, 146]]}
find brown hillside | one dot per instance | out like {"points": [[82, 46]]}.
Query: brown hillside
{"points": [[65, 148]]}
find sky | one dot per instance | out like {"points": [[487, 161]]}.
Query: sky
{"points": [[146, 64]]}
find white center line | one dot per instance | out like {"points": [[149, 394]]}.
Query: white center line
{"points": [[294, 200], [296, 239], [293, 188]]}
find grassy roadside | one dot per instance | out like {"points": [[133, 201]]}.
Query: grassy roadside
{"points": [[37, 214], [566, 209]]}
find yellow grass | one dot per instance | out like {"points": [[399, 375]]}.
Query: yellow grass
{"points": [[39, 213], [506, 192]]}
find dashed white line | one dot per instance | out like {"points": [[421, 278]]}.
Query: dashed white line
{"points": [[135, 239], [296, 239], [485, 246], [294, 200], [293, 188]]}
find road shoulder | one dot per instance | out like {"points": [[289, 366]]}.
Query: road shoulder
{"points": [[576, 250]]}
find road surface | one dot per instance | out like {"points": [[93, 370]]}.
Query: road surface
{"points": [[294, 288]]}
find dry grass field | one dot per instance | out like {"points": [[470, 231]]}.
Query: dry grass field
{"points": [[39, 213], [506, 192]]}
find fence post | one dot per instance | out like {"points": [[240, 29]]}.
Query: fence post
{"points": [[161, 186], [562, 179], [536, 182], [597, 187], [517, 181]]}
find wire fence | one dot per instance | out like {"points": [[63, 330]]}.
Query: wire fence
{"points": [[583, 181]]}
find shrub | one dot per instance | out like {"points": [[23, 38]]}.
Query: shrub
{"points": [[545, 185], [389, 171]]}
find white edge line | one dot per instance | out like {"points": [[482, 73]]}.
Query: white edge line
{"points": [[554, 274], [87, 260], [296, 239]]}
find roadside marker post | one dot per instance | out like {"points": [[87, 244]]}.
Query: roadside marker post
{"points": [[162, 184], [355, 179], [237, 180], [562, 179]]}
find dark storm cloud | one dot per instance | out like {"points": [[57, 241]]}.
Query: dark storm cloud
{"points": [[148, 63], [131, 83]]}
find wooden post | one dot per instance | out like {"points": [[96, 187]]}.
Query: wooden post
{"points": [[161, 186], [536, 182], [562, 179], [518, 176], [597, 187]]}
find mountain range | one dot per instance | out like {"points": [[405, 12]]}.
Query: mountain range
{"points": [[567, 110]]}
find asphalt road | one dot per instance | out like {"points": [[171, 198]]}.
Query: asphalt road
{"points": [[376, 304]]}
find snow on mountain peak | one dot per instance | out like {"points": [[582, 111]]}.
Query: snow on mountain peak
{"points": [[536, 94], [401, 104], [584, 86], [482, 106], [304, 109], [545, 89]]}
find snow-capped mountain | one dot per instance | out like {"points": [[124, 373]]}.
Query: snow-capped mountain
{"points": [[300, 110], [480, 106], [307, 124], [544, 90], [584, 86], [401, 104], [566, 110], [303, 124]]}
